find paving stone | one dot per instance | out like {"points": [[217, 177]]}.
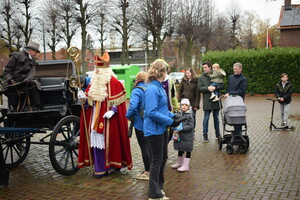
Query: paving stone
{"points": [[269, 170]]}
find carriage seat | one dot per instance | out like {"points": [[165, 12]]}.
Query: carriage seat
{"points": [[52, 91], [51, 84]]}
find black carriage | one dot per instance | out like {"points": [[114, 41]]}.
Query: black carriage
{"points": [[58, 118]]}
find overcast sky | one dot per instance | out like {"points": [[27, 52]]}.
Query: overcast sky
{"points": [[266, 9]]}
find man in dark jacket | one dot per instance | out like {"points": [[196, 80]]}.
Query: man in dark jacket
{"points": [[283, 92], [237, 85], [204, 86], [19, 73]]}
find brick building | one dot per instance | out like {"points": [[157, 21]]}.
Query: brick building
{"points": [[289, 25]]}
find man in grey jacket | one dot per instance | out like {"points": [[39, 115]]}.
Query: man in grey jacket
{"points": [[19, 73], [204, 86]]}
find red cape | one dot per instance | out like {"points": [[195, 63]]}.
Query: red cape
{"points": [[117, 143]]}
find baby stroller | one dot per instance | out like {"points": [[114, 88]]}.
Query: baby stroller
{"points": [[234, 113]]}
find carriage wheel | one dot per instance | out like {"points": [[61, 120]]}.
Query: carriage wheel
{"points": [[63, 147], [14, 150]]}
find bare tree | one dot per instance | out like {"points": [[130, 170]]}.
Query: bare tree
{"points": [[190, 25], [51, 26], [123, 23], [85, 12], [156, 16], [248, 31], [234, 14], [101, 23], [25, 26], [67, 27], [7, 30], [221, 34]]}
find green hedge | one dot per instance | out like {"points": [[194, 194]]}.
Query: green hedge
{"points": [[262, 67]]}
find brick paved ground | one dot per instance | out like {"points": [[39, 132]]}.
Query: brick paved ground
{"points": [[269, 170]]}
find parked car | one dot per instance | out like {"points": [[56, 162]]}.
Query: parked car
{"points": [[176, 76]]}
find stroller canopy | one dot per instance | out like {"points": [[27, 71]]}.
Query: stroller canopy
{"points": [[235, 110]]}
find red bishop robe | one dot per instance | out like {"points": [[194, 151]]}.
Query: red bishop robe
{"points": [[117, 143]]}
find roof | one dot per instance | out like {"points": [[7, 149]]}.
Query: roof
{"points": [[290, 18]]}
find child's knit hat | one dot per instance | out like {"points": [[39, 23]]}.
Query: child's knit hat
{"points": [[185, 101]]}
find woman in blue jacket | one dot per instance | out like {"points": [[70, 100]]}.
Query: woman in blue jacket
{"points": [[135, 113], [157, 119]]}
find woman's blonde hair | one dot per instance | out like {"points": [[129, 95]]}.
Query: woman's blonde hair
{"points": [[141, 77], [157, 70]]}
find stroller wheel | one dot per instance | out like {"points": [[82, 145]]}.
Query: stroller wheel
{"points": [[243, 149], [229, 149], [220, 142]]}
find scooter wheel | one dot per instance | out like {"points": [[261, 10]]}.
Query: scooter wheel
{"points": [[292, 128], [229, 149]]}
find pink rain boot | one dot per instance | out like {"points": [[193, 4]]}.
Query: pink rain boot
{"points": [[178, 163], [185, 166]]}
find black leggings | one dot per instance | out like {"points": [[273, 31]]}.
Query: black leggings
{"points": [[188, 154]]}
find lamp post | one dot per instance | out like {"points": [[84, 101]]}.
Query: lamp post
{"points": [[44, 43]]}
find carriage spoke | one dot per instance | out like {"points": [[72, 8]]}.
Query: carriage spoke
{"points": [[6, 149], [16, 150], [67, 160], [72, 159], [11, 154], [63, 134], [62, 157], [59, 151]]}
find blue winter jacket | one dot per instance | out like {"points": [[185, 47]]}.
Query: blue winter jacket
{"points": [[157, 115], [137, 100]]}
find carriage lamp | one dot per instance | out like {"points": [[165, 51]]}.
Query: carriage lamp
{"points": [[73, 82]]}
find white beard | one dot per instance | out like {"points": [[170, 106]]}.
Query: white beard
{"points": [[99, 81]]}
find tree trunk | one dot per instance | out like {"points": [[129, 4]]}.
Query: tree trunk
{"points": [[83, 48], [188, 55]]}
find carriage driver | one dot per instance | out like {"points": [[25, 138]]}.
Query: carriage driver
{"points": [[19, 73]]}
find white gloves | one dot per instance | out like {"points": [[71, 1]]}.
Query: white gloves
{"points": [[81, 95], [108, 114]]}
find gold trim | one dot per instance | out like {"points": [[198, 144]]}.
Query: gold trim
{"points": [[100, 173], [107, 136], [117, 101]]}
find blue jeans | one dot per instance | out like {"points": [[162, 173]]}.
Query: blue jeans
{"points": [[216, 122], [216, 92]]}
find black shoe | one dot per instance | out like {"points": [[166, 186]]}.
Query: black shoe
{"points": [[99, 176], [218, 137], [206, 140]]}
